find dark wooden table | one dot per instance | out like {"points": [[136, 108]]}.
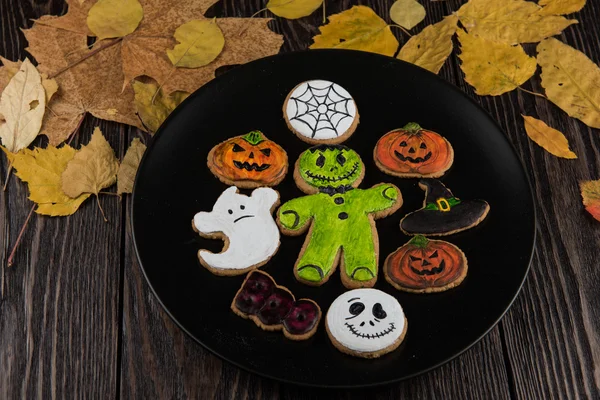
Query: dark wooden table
{"points": [[77, 318]]}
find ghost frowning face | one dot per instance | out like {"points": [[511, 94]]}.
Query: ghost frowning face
{"points": [[368, 322]]}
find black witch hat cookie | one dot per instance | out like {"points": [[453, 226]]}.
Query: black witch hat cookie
{"points": [[442, 212]]}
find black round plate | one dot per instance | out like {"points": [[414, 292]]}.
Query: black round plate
{"points": [[174, 183]]}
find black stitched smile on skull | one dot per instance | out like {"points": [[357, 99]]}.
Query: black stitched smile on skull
{"points": [[365, 320]]}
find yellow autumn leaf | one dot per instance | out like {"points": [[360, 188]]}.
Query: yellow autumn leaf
{"points": [[129, 166], [22, 107], [154, 114], [92, 169], [510, 21], [430, 48], [200, 42], [553, 141], [358, 28], [407, 13], [493, 68], [114, 18], [557, 7], [571, 80], [293, 9], [590, 192], [42, 170]]}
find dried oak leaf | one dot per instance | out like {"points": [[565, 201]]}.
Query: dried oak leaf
{"points": [[92, 169], [510, 21], [129, 166], [571, 80], [200, 42], [114, 18], [22, 106], [153, 108], [432, 46], [557, 7], [590, 191], [293, 9], [551, 140], [493, 68], [41, 169], [407, 13], [358, 28]]}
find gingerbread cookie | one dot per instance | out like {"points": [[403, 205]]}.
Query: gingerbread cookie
{"points": [[366, 323], [340, 217], [413, 152], [425, 266], [246, 226], [274, 308], [248, 161], [320, 111], [442, 213]]}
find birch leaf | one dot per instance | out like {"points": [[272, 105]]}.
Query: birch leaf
{"points": [[358, 28], [553, 141], [22, 106], [114, 18], [510, 21], [293, 9], [557, 7], [430, 48], [200, 42], [154, 113], [571, 80], [407, 13], [129, 166], [493, 68], [590, 191]]}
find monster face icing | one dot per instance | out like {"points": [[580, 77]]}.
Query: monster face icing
{"points": [[330, 166]]}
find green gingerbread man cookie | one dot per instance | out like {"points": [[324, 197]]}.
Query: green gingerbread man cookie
{"points": [[340, 217]]}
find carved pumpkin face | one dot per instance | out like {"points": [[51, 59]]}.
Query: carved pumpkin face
{"points": [[413, 152], [248, 161], [423, 265]]}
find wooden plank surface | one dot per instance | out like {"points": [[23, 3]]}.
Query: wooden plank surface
{"points": [[77, 318]]}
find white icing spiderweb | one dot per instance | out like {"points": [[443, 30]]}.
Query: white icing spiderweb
{"points": [[324, 110]]}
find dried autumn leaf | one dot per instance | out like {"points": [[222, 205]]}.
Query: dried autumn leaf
{"points": [[493, 68], [590, 191], [200, 42], [153, 113], [129, 166], [553, 141], [42, 170], [93, 168], [293, 9], [571, 80], [50, 87], [407, 13], [510, 21], [358, 28], [7, 71], [114, 18], [557, 7], [22, 106], [430, 48]]}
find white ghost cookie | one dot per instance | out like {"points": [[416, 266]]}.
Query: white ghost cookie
{"points": [[366, 323], [246, 226]]}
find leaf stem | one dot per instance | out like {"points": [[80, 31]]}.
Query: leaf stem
{"points": [[85, 57], [402, 29], [76, 129], [324, 15], [101, 210], [10, 166], [245, 28], [16, 245], [530, 92], [111, 193]]}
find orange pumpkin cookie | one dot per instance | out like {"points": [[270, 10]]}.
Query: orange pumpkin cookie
{"points": [[248, 161], [425, 266], [413, 152]]}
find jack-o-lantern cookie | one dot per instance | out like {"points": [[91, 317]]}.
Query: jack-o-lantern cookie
{"points": [[320, 111], [274, 308], [366, 323], [425, 266], [442, 212], [413, 152], [248, 161], [340, 217]]}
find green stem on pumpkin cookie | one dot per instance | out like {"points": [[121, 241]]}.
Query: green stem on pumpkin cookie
{"points": [[412, 127], [419, 241]]}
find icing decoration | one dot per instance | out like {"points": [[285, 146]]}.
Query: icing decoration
{"points": [[442, 213], [413, 152], [366, 321], [248, 161], [320, 110], [273, 307], [339, 218], [425, 266], [251, 234]]}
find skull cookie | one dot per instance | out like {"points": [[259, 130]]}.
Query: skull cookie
{"points": [[366, 323]]}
